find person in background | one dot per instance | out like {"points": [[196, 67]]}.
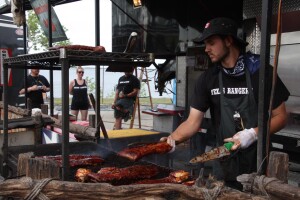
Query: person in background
{"points": [[37, 85], [79, 89], [230, 90], [126, 92]]}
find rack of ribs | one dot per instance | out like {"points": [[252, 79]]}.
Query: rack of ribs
{"points": [[114, 174], [76, 160], [137, 152], [179, 176], [99, 49]]}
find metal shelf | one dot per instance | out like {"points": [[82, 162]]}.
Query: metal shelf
{"points": [[81, 57]]}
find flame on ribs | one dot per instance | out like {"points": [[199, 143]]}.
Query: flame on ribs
{"points": [[136, 153], [82, 174]]}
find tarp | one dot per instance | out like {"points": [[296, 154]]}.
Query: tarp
{"points": [[40, 8]]}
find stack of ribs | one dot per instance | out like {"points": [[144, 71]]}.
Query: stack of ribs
{"points": [[76, 160], [137, 152], [99, 49]]}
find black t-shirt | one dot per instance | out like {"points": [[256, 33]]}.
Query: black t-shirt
{"points": [[36, 96], [207, 94], [126, 84]]}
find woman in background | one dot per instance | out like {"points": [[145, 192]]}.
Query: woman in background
{"points": [[80, 101]]}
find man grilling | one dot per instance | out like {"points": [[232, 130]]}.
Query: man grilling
{"points": [[228, 89]]}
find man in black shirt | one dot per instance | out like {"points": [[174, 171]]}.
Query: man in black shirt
{"points": [[230, 90], [126, 92], [37, 85]]}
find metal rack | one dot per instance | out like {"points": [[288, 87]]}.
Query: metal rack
{"points": [[81, 57], [62, 59]]}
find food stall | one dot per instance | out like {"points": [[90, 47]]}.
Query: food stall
{"points": [[61, 59]]}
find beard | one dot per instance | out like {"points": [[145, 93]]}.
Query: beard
{"points": [[221, 56]]}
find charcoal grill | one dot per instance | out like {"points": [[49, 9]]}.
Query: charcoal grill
{"points": [[107, 149]]}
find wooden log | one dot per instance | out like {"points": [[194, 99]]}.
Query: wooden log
{"points": [[20, 188], [273, 187], [22, 163], [16, 110], [44, 109], [85, 131], [278, 166], [92, 120], [37, 168]]}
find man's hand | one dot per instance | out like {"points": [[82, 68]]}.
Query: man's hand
{"points": [[242, 139], [113, 106], [44, 88], [170, 141], [34, 88]]}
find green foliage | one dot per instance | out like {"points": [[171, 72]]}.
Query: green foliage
{"points": [[111, 94], [36, 37], [91, 84], [143, 92]]}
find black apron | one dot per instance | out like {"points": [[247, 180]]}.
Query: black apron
{"points": [[243, 160]]}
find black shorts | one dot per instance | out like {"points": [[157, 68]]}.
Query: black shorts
{"points": [[80, 106]]}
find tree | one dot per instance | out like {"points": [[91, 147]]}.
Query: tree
{"points": [[36, 37]]}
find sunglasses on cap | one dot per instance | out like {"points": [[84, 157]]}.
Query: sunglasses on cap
{"points": [[80, 72]]}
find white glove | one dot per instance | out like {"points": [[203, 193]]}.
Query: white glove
{"points": [[246, 137], [170, 141]]}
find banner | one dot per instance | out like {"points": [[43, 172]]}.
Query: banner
{"points": [[5, 53], [40, 8]]}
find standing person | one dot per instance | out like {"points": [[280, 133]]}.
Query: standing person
{"points": [[230, 88], [38, 85], [80, 101], [126, 92]]}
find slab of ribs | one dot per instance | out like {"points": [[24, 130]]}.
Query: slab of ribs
{"points": [[179, 176], [142, 173], [137, 152], [114, 174], [76, 160], [99, 49]]}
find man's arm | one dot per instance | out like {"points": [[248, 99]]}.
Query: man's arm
{"points": [[29, 89], [189, 127], [133, 93], [115, 99], [278, 118], [45, 88]]}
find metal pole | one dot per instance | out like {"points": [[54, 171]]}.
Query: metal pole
{"points": [[65, 113], [97, 67], [263, 103], [51, 70], [25, 52], [5, 122]]}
